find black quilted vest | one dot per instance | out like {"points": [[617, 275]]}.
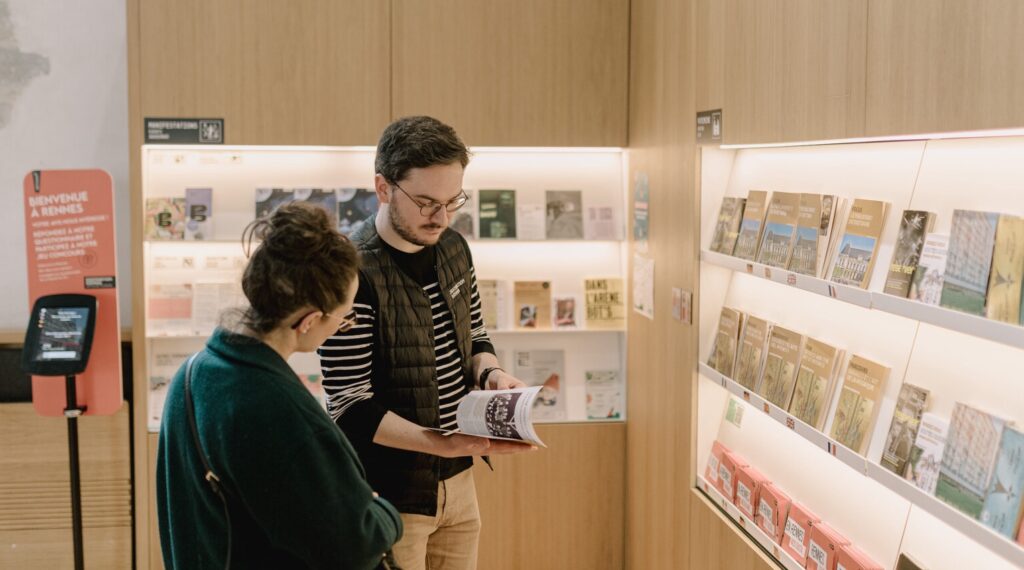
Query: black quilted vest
{"points": [[404, 362]]}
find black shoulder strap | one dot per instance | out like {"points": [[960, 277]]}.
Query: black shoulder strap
{"points": [[208, 475]]}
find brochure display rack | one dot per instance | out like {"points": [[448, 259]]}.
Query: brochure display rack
{"points": [[916, 456], [544, 227]]}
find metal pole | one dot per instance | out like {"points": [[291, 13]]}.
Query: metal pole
{"points": [[72, 411]]}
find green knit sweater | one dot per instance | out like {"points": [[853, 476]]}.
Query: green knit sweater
{"points": [[298, 496]]}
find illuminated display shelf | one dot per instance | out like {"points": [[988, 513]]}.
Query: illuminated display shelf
{"points": [[928, 346], [988, 329], [235, 172], [839, 453]]}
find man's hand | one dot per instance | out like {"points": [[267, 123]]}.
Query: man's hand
{"points": [[501, 380], [461, 445]]}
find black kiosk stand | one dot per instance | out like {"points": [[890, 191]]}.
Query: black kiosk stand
{"points": [[57, 343]]}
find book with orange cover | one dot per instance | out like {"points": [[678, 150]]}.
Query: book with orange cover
{"points": [[772, 510], [727, 468], [853, 558], [798, 531], [823, 547], [748, 488], [714, 460]]}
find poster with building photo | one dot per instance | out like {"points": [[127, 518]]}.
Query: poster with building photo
{"points": [[355, 205], [563, 214], [604, 394], [545, 368]]}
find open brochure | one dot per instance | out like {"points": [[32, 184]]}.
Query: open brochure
{"points": [[498, 414]]}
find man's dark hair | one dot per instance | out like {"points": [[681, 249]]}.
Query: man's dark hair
{"points": [[417, 142]]}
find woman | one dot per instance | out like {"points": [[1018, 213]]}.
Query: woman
{"points": [[295, 495]]}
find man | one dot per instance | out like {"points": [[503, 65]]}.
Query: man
{"points": [[419, 345]]}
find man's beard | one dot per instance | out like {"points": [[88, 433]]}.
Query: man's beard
{"points": [[405, 232]]}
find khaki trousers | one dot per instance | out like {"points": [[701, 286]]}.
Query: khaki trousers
{"points": [[448, 540]]}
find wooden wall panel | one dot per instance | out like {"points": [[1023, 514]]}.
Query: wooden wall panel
{"points": [[309, 72], [794, 70], [709, 61], [524, 73], [944, 65], [721, 545], [661, 353], [560, 507], [35, 491]]}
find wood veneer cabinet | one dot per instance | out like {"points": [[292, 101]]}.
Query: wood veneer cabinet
{"points": [[523, 73], [302, 72], [794, 70], [944, 65]]}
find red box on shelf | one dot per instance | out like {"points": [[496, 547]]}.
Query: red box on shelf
{"points": [[748, 488], [852, 558], [798, 531], [727, 469], [714, 460], [823, 547], [772, 510]]}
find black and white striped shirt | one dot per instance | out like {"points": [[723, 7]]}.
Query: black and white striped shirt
{"points": [[346, 359]]}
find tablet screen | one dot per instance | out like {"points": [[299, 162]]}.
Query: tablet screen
{"points": [[61, 333]]}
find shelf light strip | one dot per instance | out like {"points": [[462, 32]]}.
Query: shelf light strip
{"points": [[364, 148], [991, 133], [971, 528], [972, 325]]}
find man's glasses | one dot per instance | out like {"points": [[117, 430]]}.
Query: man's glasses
{"points": [[430, 208], [345, 325]]}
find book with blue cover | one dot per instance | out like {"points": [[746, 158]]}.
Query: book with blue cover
{"points": [[969, 460], [1002, 510]]}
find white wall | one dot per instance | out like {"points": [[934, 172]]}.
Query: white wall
{"points": [[63, 104]]}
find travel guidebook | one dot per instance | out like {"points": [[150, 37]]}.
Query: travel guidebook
{"points": [[926, 286], [779, 227], [971, 241], [806, 245], [727, 228], [856, 253], [815, 381], [723, 353], [972, 447], [780, 366], [751, 226], [926, 456], [498, 414], [903, 431], [857, 410], [1002, 510], [1004, 284], [751, 352], [909, 245]]}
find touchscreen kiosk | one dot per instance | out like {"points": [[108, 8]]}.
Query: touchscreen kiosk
{"points": [[59, 335]]}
